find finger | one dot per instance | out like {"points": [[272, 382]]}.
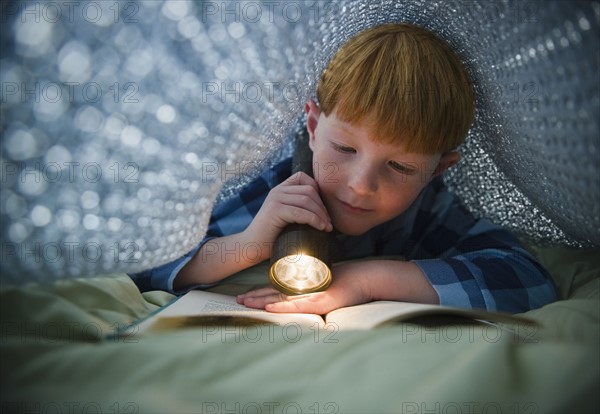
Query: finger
{"points": [[313, 303], [303, 209], [285, 307], [259, 302], [267, 290], [301, 178], [302, 194], [260, 297], [302, 191]]}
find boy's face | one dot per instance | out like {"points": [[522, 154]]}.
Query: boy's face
{"points": [[364, 183]]}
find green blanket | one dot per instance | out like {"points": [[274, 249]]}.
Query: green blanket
{"points": [[57, 355]]}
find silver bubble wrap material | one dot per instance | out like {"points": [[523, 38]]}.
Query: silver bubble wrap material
{"points": [[123, 122]]}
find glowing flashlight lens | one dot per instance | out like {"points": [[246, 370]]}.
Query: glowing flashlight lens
{"points": [[297, 274]]}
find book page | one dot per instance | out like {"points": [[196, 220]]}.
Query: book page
{"points": [[199, 308], [371, 315]]}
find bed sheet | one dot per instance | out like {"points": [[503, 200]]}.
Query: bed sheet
{"points": [[57, 355]]}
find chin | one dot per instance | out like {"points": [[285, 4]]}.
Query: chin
{"points": [[350, 230]]}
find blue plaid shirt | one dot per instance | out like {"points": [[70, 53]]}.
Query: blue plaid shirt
{"points": [[471, 263]]}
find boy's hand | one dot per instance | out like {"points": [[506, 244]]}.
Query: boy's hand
{"points": [[353, 283], [348, 288], [296, 200]]}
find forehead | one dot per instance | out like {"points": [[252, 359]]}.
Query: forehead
{"points": [[363, 128]]}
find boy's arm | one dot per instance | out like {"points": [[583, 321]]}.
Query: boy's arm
{"points": [[499, 275], [219, 258], [493, 279], [473, 263], [454, 260], [211, 261]]}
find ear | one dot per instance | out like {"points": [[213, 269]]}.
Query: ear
{"points": [[447, 160], [313, 112]]}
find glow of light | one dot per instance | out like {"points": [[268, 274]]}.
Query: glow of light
{"points": [[301, 273]]}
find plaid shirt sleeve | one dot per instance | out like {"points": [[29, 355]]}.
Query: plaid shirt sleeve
{"points": [[470, 262], [229, 217]]}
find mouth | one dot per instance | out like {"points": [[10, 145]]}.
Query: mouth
{"points": [[353, 208]]}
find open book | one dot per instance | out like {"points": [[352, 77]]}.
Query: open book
{"points": [[202, 309]]}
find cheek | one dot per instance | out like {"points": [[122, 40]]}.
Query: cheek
{"points": [[326, 170], [392, 206], [395, 201], [327, 174]]}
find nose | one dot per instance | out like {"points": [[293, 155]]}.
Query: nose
{"points": [[363, 179]]}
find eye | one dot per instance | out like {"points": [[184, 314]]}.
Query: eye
{"points": [[402, 168], [343, 149]]}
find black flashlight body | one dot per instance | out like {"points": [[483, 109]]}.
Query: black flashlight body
{"points": [[301, 239]]}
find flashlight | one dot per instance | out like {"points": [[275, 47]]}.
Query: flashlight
{"points": [[300, 262]]}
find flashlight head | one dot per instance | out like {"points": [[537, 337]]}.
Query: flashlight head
{"points": [[299, 274], [300, 261]]}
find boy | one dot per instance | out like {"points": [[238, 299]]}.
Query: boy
{"points": [[394, 104]]}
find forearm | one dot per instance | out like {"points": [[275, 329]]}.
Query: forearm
{"points": [[390, 280], [506, 280], [220, 258]]}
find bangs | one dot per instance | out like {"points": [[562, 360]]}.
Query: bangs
{"points": [[410, 86]]}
